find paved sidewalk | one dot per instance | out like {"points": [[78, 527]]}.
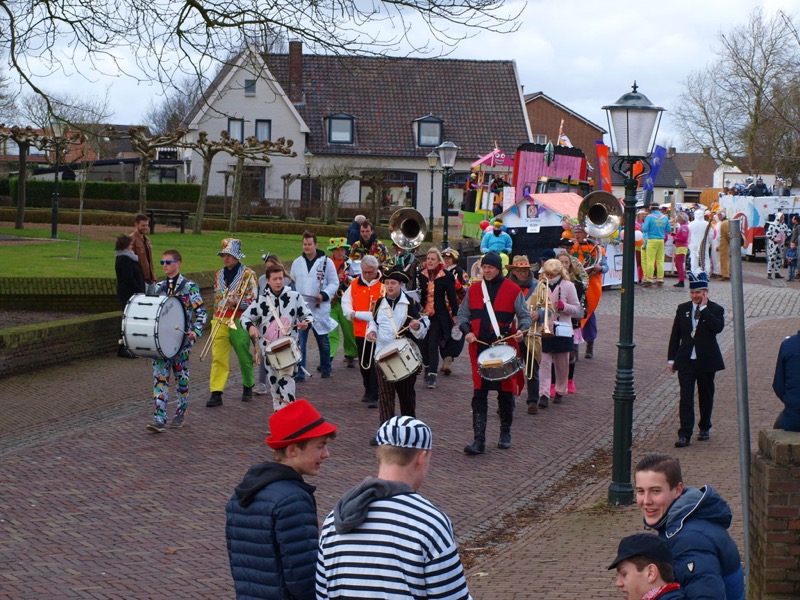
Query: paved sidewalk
{"points": [[91, 506]]}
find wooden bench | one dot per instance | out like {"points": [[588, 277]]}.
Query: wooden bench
{"points": [[167, 216]]}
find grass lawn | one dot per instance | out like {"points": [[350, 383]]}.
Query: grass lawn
{"points": [[43, 257]]}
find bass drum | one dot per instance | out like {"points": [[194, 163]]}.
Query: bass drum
{"points": [[153, 326]]}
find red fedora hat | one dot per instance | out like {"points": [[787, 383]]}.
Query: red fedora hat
{"points": [[296, 422]]}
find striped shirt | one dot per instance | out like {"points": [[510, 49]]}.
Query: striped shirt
{"points": [[405, 548]]}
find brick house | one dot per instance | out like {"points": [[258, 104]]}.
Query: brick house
{"points": [[362, 114], [696, 168], [545, 116]]}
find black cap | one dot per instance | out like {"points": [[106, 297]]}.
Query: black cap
{"points": [[493, 259], [647, 545]]}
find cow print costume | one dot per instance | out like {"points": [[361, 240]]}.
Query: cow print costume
{"points": [[275, 317]]}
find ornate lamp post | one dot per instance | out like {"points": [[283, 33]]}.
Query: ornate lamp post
{"points": [[308, 159], [633, 121], [59, 128], [433, 160], [447, 156]]}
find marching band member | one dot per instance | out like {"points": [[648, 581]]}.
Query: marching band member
{"points": [[188, 293], [270, 260], [315, 278], [452, 347], [276, 314], [358, 303], [655, 230], [437, 289], [486, 315], [369, 245], [338, 248], [556, 348], [238, 286], [394, 313], [405, 261], [593, 259]]}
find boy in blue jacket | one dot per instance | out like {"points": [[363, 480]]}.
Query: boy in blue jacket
{"points": [[271, 519], [695, 523]]}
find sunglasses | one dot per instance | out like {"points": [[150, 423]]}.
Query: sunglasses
{"points": [[168, 262]]}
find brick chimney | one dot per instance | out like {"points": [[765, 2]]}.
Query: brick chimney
{"points": [[295, 71], [671, 152]]}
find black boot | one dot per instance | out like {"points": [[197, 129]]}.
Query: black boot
{"points": [[478, 446], [589, 350], [215, 400], [247, 393], [506, 418]]}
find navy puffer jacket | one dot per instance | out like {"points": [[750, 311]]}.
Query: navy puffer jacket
{"points": [[704, 556], [272, 534]]}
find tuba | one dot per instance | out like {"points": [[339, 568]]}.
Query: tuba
{"points": [[600, 213], [407, 228]]}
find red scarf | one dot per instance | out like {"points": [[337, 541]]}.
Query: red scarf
{"points": [[656, 592]]}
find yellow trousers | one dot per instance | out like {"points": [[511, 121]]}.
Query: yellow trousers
{"points": [[239, 341], [653, 261]]}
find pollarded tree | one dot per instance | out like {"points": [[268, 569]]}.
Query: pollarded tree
{"points": [[147, 149], [208, 149]]}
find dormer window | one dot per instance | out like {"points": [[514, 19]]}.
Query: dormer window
{"points": [[428, 131], [340, 128]]}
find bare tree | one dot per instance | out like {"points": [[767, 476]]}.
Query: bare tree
{"points": [[161, 42], [169, 114], [147, 149], [333, 179], [744, 105], [208, 149]]}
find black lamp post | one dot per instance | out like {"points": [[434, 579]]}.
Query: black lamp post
{"points": [[447, 156], [308, 159], [633, 121], [433, 160], [59, 128]]}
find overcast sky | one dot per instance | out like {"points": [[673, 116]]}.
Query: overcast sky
{"points": [[583, 53]]}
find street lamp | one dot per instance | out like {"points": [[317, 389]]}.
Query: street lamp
{"points": [[308, 159], [433, 159], [633, 122], [59, 128], [447, 156]]}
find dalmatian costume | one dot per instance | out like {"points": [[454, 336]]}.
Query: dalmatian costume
{"points": [[275, 317], [777, 234]]}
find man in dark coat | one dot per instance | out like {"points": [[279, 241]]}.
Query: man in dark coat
{"points": [[694, 353], [271, 519], [786, 383], [644, 569]]}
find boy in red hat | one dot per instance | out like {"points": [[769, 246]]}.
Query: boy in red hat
{"points": [[271, 519]]}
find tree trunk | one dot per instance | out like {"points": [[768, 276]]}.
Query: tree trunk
{"points": [[144, 167], [287, 181], [237, 193], [19, 223], [333, 212], [201, 200]]}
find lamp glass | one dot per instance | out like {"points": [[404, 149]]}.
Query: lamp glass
{"points": [[58, 126], [447, 154], [308, 158], [433, 158], [633, 121]]}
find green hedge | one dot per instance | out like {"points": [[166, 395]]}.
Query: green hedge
{"points": [[39, 193]]}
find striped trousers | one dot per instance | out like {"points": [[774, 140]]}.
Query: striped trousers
{"points": [[405, 392]]}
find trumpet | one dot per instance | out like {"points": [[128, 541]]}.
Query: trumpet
{"points": [[237, 292]]}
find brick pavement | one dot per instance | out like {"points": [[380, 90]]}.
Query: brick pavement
{"points": [[91, 506]]}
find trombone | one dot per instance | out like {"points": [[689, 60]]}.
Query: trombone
{"points": [[540, 305], [237, 292]]}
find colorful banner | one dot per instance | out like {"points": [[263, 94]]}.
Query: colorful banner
{"points": [[603, 168]]}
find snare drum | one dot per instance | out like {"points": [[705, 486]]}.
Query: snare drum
{"points": [[498, 362], [153, 326], [283, 353], [399, 359]]}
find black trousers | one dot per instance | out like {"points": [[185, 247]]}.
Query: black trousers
{"points": [[688, 378], [368, 376], [430, 346]]}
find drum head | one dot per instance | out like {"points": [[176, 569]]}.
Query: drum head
{"points": [[170, 323], [392, 348], [279, 344]]}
